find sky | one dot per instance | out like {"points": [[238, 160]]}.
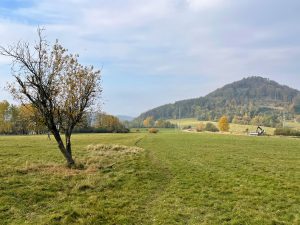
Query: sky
{"points": [[160, 51]]}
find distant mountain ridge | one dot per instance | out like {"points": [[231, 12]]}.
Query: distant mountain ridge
{"points": [[250, 96], [125, 118]]}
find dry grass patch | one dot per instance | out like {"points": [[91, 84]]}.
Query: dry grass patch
{"points": [[48, 169], [112, 149], [98, 157], [105, 157]]}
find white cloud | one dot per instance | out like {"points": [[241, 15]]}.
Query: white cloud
{"points": [[204, 4], [13, 31], [100, 14], [133, 13]]}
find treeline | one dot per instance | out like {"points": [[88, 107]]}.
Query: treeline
{"points": [[100, 123], [272, 120], [25, 119], [236, 114], [22, 119], [150, 122]]}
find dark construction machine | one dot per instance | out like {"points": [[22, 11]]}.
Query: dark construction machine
{"points": [[259, 132]]}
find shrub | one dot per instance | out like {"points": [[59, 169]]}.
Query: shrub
{"points": [[100, 130], [211, 127], [200, 127], [286, 132], [187, 127], [153, 130]]}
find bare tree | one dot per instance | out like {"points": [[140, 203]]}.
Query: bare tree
{"points": [[56, 84]]}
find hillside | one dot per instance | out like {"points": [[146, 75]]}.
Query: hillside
{"points": [[252, 96]]}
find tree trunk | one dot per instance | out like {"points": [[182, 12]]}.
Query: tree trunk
{"points": [[68, 148], [65, 151]]}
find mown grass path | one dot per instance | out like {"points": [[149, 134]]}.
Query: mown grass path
{"points": [[180, 178]]}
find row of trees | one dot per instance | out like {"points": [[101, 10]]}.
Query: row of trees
{"points": [[25, 119], [100, 123], [150, 122], [245, 114], [266, 120], [223, 122]]}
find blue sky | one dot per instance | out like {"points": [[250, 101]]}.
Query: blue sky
{"points": [[160, 51]]}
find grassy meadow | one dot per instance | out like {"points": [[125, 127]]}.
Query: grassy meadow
{"points": [[165, 178], [293, 125], [234, 128]]}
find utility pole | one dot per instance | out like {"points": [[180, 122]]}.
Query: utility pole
{"points": [[283, 119], [179, 118]]}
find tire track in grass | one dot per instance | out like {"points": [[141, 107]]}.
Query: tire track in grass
{"points": [[136, 143], [163, 175]]}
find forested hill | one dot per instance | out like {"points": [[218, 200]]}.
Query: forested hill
{"points": [[250, 96]]}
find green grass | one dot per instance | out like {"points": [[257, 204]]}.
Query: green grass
{"points": [[179, 178], [146, 130], [186, 122]]}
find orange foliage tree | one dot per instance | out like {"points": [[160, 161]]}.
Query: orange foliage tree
{"points": [[148, 122], [223, 124]]}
